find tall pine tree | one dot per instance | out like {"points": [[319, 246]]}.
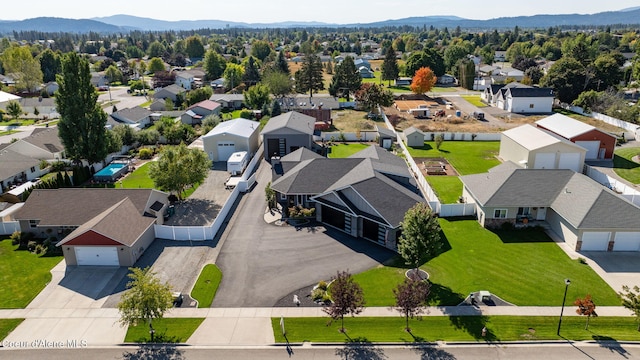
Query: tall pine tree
{"points": [[390, 68], [81, 127], [347, 78], [281, 63], [309, 77]]}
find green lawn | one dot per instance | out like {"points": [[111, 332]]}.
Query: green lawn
{"points": [[474, 100], [171, 330], [523, 267], [7, 326], [22, 275], [467, 157], [456, 328], [8, 132], [343, 150], [206, 286], [624, 166], [138, 179], [447, 188], [17, 122]]}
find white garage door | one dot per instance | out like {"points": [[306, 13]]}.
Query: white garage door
{"points": [[97, 255], [627, 241], [545, 161], [592, 148], [225, 149], [595, 241], [570, 161]]}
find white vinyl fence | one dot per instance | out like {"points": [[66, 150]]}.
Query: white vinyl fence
{"points": [[200, 233], [632, 130], [9, 227], [619, 187], [444, 210]]}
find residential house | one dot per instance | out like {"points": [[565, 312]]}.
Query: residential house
{"points": [[519, 98], [5, 97], [229, 101], [446, 79], [196, 112], [138, 116], [43, 144], [7, 81], [403, 81], [599, 144], [362, 62], [99, 80], [232, 136], [103, 227], [171, 91], [413, 137], [365, 195], [158, 105], [534, 148], [286, 133], [46, 107], [190, 79], [579, 211], [16, 168], [365, 72], [511, 73], [499, 56], [50, 88]]}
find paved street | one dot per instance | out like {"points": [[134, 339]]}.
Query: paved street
{"points": [[121, 99]]}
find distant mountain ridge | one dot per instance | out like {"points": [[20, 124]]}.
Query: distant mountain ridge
{"points": [[126, 23]]}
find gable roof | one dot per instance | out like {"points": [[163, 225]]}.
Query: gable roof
{"points": [[206, 104], [565, 126], [134, 114], [80, 204], [532, 138], [292, 120], [5, 97], [46, 139], [13, 163], [227, 97], [530, 92], [411, 130], [172, 89], [578, 199], [239, 126], [300, 154], [121, 222], [384, 132]]}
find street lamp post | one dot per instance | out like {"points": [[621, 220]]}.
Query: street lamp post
{"points": [[566, 287]]}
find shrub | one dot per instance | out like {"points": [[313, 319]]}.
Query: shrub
{"points": [[246, 114], [31, 245], [322, 285], [317, 294], [40, 249], [145, 153], [582, 260], [326, 298], [15, 238]]}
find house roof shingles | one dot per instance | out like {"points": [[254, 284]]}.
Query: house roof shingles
{"points": [[46, 138], [565, 126], [13, 163], [291, 120]]}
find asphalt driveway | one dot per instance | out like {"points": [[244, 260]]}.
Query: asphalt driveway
{"points": [[261, 263]]}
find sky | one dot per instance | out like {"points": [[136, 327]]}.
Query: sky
{"points": [[328, 11]]}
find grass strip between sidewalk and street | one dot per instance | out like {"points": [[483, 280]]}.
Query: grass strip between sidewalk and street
{"points": [[7, 326], [167, 330], [456, 328], [204, 291]]}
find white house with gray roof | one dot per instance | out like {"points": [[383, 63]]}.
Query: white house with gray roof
{"points": [[365, 195], [534, 148], [581, 212]]}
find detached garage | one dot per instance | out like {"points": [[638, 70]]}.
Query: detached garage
{"points": [[533, 148], [232, 136], [599, 144]]}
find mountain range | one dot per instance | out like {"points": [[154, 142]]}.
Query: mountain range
{"points": [[126, 23]]}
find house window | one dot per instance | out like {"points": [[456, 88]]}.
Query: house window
{"points": [[33, 223], [500, 213], [531, 106], [33, 169], [524, 211], [283, 196]]}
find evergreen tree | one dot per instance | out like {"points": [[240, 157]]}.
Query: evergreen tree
{"points": [[275, 108], [390, 68], [420, 238], [347, 78], [81, 127], [251, 74], [281, 63], [309, 77]]}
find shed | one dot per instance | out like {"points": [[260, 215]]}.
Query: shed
{"points": [[599, 144], [413, 137], [534, 148], [230, 137], [386, 137]]}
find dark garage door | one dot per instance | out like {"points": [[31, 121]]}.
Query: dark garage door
{"points": [[370, 230], [333, 217]]}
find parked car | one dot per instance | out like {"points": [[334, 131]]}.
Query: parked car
{"points": [[478, 115], [178, 298]]}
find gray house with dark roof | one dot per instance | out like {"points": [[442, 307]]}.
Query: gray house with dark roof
{"points": [[365, 195], [105, 227], [286, 133], [138, 116], [581, 212]]}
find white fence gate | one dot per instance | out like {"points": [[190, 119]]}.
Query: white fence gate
{"points": [[9, 227]]}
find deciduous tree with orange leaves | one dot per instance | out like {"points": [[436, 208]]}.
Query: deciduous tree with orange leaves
{"points": [[423, 80]]}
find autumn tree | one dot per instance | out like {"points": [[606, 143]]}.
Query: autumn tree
{"points": [[586, 307], [309, 77], [145, 300], [347, 298], [411, 298], [423, 80], [371, 95], [82, 120], [631, 300], [420, 239]]}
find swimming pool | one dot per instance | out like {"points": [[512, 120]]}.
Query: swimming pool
{"points": [[111, 172]]}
